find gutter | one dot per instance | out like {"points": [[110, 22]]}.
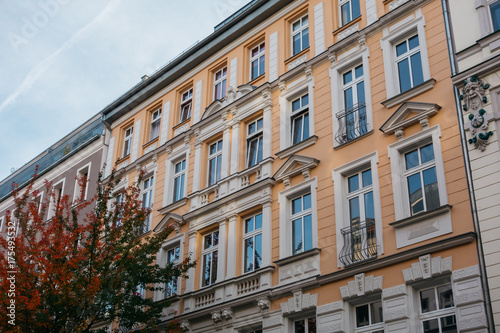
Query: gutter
{"points": [[468, 172]]}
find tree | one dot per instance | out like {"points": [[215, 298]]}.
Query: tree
{"points": [[71, 272]]}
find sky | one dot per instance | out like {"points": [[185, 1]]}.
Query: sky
{"points": [[63, 61]]}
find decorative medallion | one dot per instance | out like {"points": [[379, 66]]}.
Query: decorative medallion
{"points": [[473, 97]]}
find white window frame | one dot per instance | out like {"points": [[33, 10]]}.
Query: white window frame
{"points": [[79, 174], [407, 55], [257, 135], [294, 90], [178, 154], [212, 249], [186, 103], [393, 35], [214, 156], [260, 53], [248, 235], [399, 183], [343, 2], [155, 128], [127, 141], [149, 192], [2, 219], [179, 174], [301, 112], [439, 313], [59, 184], [285, 205], [175, 281], [371, 327], [340, 177], [220, 82], [169, 244], [303, 318], [299, 31], [483, 8]]}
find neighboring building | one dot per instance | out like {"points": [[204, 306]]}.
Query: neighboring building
{"points": [[474, 26], [78, 154]]}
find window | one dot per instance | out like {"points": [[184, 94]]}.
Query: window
{"points": [[154, 132], [409, 63], [437, 311], [147, 200], [81, 184], [254, 142], [305, 325], [495, 15], [127, 141], [420, 174], [257, 61], [172, 258], [352, 119], [220, 83], [55, 199], [300, 119], [300, 35], [186, 105], [179, 175], [214, 162], [210, 252], [252, 240], [301, 223], [369, 317], [349, 10]]}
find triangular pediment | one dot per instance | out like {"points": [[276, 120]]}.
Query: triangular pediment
{"points": [[212, 108], [170, 219], [407, 114], [295, 165]]}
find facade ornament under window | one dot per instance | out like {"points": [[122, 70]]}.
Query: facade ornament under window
{"points": [[332, 57], [216, 316], [308, 71], [263, 304], [227, 314], [184, 326], [473, 97], [282, 86]]}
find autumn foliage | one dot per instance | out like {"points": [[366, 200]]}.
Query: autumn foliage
{"points": [[84, 265]]}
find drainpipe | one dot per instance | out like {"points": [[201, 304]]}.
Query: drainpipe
{"points": [[470, 183]]}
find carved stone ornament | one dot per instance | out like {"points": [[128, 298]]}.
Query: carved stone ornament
{"points": [[263, 304], [184, 326], [216, 317], [227, 314], [473, 97]]}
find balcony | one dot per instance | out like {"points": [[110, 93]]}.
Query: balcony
{"points": [[352, 123], [360, 242]]}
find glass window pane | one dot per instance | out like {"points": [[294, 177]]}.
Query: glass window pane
{"points": [[208, 241], [306, 126], [359, 71], [369, 208], [401, 48], [411, 159], [258, 221], [413, 42], [300, 327], [346, 13], [361, 92], [297, 236], [223, 89], [219, 145], [255, 69], [305, 20], [431, 188], [213, 148], [445, 295], [362, 316], [252, 153], [296, 105], [296, 25], [347, 77], [415, 193], [348, 98], [297, 130], [354, 209], [449, 324], [428, 300], [404, 75], [296, 43], [431, 326], [214, 267], [416, 69], [377, 316], [495, 15], [427, 153], [249, 255], [211, 172], [307, 232], [353, 183], [206, 269], [249, 224], [355, 9], [262, 65], [258, 251], [307, 201], [305, 100], [259, 124], [311, 325], [296, 205], [305, 38], [260, 149], [367, 177], [216, 238], [219, 166]]}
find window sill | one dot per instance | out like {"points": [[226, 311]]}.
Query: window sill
{"points": [[123, 159], [181, 124], [420, 217], [298, 55], [257, 79], [405, 96], [173, 205], [347, 25], [297, 147], [150, 142], [297, 257]]}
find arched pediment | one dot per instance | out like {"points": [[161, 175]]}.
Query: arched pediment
{"points": [[212, 108]]}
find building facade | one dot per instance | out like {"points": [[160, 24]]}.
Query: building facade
{"points": [[308, 154], [475, 38], [78, 154]]}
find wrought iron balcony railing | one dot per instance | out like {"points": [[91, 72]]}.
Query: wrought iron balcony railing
{"points": [[352, 123], [360, 242]]}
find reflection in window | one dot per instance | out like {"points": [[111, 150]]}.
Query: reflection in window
{"points": [[495, 15], [172, 258], [300, 35], [252, 240], [179, 175], [369, 315], [305, 325], [214, 162], [433, 303], [186, 104], [301, 224], [409, 64], [300, 119], [349, 10], [220, 83], [210, 252], [154, 131], [254, 142], [257, 61]]}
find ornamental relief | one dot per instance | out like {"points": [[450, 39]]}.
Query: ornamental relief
{"points": [[473, 97]]}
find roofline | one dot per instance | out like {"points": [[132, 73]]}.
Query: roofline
{"points": [[257, 12]]}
